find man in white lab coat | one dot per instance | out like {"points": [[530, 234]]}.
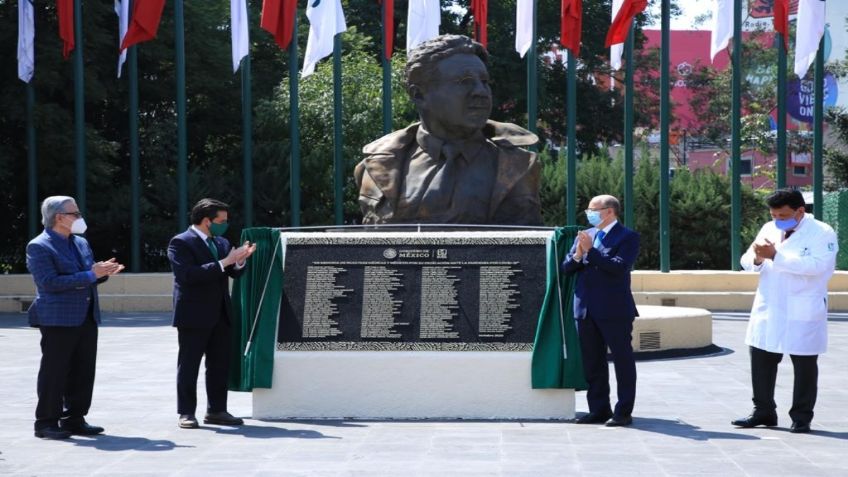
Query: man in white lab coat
{"points": [[795, 255]]}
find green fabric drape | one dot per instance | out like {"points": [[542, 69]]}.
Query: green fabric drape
{"points": [[550, 367], [255, 369]]}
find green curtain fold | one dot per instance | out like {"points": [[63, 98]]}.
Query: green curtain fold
{"points": [[552, 367], [255, 369]]}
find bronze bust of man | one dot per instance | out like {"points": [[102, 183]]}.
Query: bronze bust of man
{"points": [[455, 166]]}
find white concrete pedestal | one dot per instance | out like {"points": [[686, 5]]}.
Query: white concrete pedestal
{"points": [[407, 385]]}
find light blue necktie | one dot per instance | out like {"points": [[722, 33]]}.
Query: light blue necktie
{"points": [[598, 238]]}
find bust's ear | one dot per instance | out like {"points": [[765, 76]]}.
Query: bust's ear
{"points": [[416, 94]]}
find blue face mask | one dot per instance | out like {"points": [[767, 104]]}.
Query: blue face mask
{"points": [[786, 224], [594, 217]]}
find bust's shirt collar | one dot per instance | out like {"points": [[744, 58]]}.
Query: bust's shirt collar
{"points": [[433, 145]]}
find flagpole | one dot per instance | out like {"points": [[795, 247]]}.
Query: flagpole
{"points": [[532, 79], [294, 165], [79, 108], [135, 174], [781, 111], [182, 136], [387, 76], [32, 166], [338, 162], [629, 220], [735, 139], [247, 138], [818, 116], [665, 105], [571, 165]]}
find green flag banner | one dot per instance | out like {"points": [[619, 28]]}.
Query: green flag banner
{"points": [[556, 361], [256, 307]]}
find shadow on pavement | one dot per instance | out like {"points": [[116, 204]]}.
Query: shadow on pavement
{"points": [[268, 432], [677, 428], [319, 422], [818, 432], [107, 442], [13, 320]]}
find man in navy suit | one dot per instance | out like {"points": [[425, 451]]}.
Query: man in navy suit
{"points": [[203, 261], [66, 311], [602, 258]]}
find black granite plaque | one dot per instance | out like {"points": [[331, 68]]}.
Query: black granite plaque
{"points": [[418, 292]]}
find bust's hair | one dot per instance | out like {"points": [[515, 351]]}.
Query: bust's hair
{"points": [[422, 60]]}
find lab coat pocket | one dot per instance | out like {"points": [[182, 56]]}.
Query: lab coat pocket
{"points": [[807, 308]]}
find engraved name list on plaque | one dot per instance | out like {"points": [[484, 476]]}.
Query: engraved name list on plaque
{"points": [[434, 291]]}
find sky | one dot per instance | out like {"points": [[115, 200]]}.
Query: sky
{"points": [[690, 9]]}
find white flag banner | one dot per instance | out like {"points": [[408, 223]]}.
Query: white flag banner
{"points": [[422, 22], [524, 26], [26, 40], [808, 34], [722, 26], [326, 20], [122, 9], [239, 30], [617, 49]]}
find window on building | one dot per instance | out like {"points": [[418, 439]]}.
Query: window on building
{"points": [[799, 170], [745, 166]]}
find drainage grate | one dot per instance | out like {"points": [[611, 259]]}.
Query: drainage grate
{"points": [[25, 304], [668, 302], [649, 340]]}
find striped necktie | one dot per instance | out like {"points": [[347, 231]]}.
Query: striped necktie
{"points": [[599, 237]]}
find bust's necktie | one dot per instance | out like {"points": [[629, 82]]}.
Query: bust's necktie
{"points": [[598, 239], [788, 233], [212, 248]]}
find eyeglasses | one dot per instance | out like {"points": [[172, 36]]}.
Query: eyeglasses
{"points": [[75, 214], [595, 210]]}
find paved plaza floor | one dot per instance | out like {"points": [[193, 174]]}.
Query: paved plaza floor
{"points": [[681, 422]]}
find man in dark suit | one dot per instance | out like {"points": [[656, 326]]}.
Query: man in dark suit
{"points": [[602, 258], [203, 261], [66, 311]]}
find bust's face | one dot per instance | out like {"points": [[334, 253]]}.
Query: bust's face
{"points": [[458, 101]]}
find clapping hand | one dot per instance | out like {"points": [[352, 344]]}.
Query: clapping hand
{"points": [[105, 268], [584, 243], [240, 254], [765, 250]]}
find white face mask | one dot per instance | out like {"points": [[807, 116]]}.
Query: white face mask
{"points": [[79, 226]]}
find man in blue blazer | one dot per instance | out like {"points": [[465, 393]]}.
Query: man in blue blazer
{"points": [[602, 258], [203, 261], [66, 311]]}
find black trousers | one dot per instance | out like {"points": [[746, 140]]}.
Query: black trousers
{"points": [[595, 337], [764, 375], [66, 375], [194, 343]]}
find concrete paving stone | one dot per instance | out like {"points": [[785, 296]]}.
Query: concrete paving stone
{"points": [[681, 423]]}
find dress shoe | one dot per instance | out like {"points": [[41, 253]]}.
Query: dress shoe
{"points": [[754, 420], [52, 433], [81, 428], [222, 418], [188, 421], [799, 427], [619, 421], [594, 418]]}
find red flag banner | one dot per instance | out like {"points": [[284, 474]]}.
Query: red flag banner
{"points": [[388, 27], [768, 8], [480, 10], [278, 19], [620, 27], [571, 17], [144, 22], [781, 20], [65, 12]]}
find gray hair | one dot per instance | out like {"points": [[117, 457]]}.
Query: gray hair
{"points": [[51, 207], [422, 60]]}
